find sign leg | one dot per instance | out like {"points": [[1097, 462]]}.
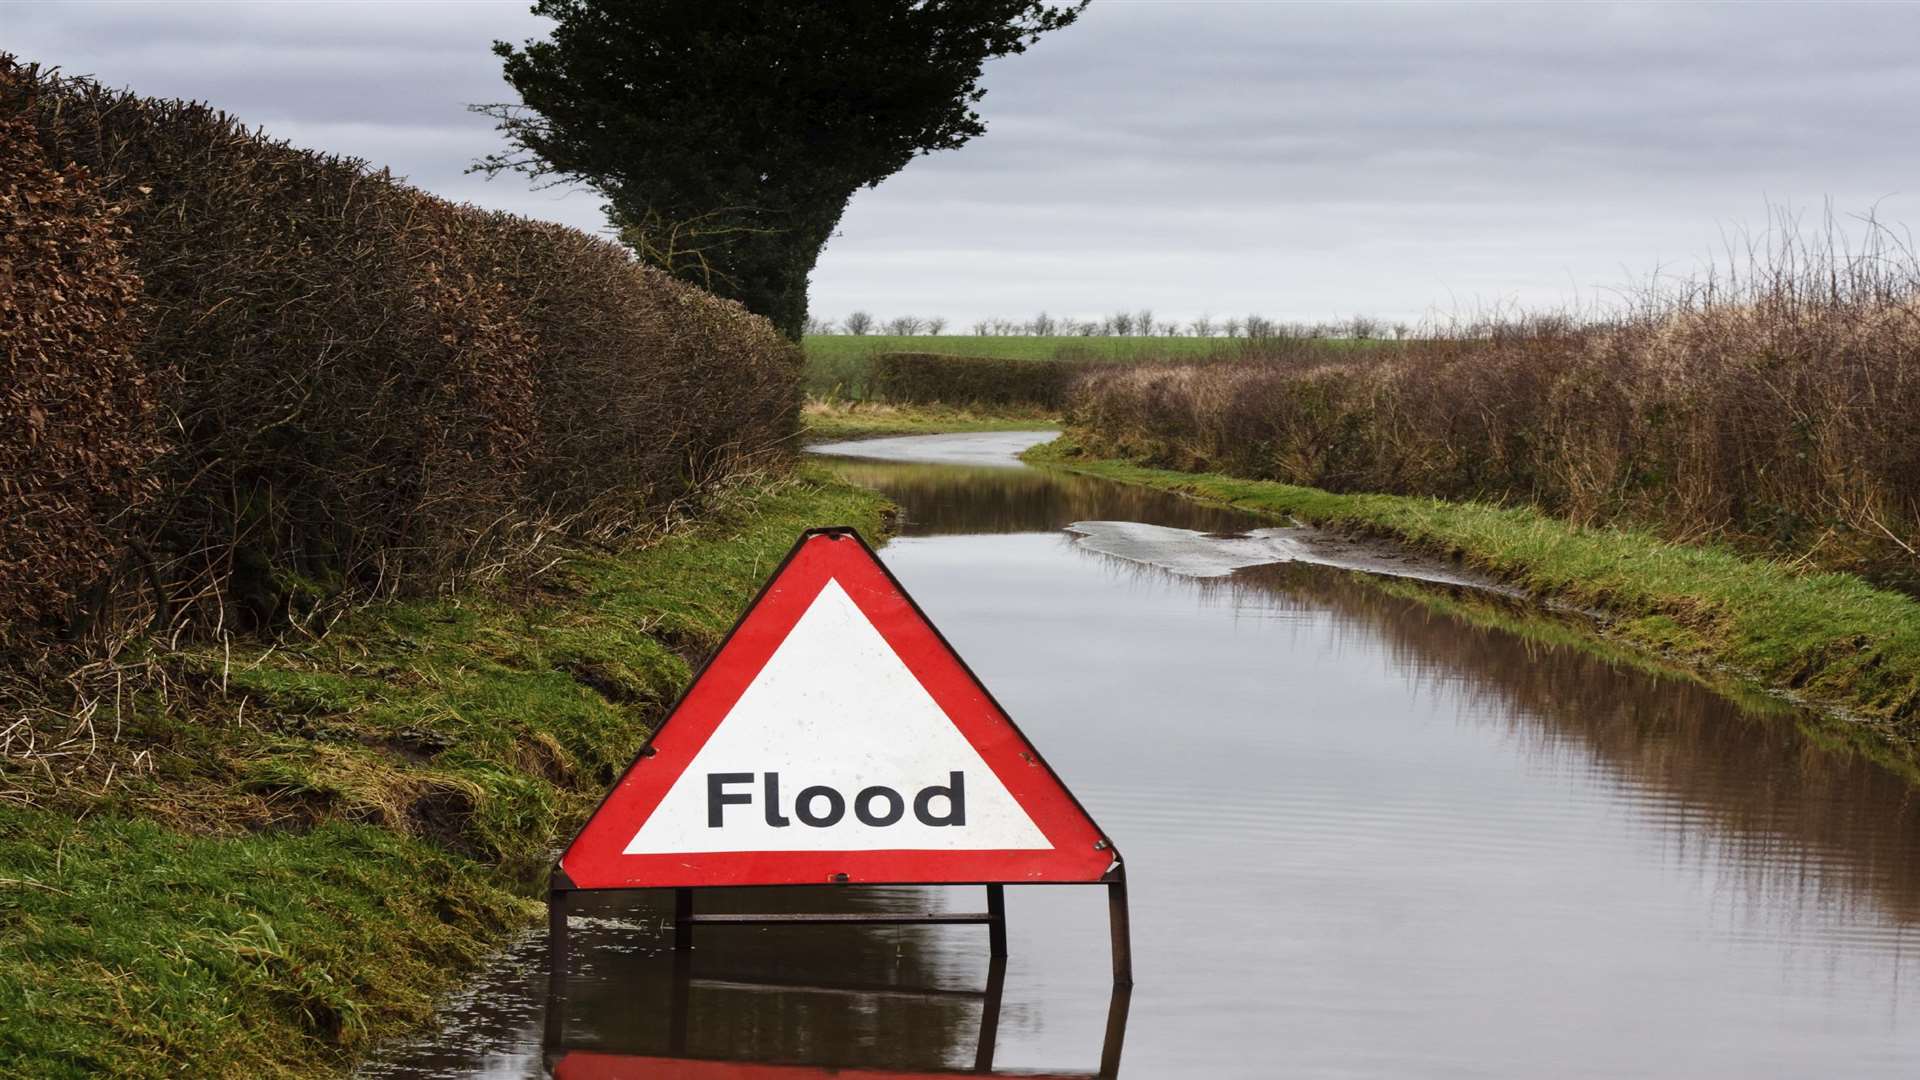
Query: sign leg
{"points": [[1119, 924], [677, 1012], [990, 1016], [997, 924], [558, 962], [682, 919], [1116, 1031]]}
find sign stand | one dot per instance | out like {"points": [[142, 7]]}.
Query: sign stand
{"points": [[835, 677]]}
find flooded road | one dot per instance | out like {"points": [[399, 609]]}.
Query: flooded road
{"points": [[1374, 827]]}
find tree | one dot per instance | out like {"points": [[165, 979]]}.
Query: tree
{"points": [[1203, 326], [937, 325], [859, 323], [729, 135], [904, 326]]}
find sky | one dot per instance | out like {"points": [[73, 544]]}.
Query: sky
{"points": [[1300, 161]]}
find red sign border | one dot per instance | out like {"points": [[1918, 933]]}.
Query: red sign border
{"points": [[1081, 854]]}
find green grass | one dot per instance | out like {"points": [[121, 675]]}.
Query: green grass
{"points": [[305, 844], [1826, 638], [823, 421]]}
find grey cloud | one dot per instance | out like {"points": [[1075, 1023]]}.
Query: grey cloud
{"points": [[1301, 160]]}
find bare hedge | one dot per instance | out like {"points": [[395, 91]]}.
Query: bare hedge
{"points": [[379, 390], [78, 413], [1786, 419]]}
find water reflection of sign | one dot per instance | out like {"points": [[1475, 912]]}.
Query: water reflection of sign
{"points": [[588, 1065], [676, 1061], [836, 737]]}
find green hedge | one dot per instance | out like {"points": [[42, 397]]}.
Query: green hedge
{"points": [[933, 378]]}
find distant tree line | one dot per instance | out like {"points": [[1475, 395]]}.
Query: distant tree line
{"points": [[1139, 323]]}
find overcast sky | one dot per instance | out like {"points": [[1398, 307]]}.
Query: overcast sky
{"points": [[1297, 160]]}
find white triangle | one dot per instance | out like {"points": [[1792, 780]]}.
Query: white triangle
{"points": [[835, 706]]}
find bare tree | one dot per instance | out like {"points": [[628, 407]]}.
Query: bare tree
{"points": [[1143, 322], [904, 326], [1203, 326], [1042, 325], [980, 328], [1231, 328], [936, 324], [817, 325], [1260, 327], [1363, 327], [1122, 324], [859, 323]]}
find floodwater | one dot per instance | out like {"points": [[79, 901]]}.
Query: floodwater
{"points": [[1374, 827]]}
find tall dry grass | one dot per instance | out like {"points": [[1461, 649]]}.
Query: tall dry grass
{"points": [[1775, 403]]}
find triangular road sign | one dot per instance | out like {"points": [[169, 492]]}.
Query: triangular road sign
{"points": [[836, 737]]}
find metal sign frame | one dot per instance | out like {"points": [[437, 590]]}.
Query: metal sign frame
{"points": [[561, 886]]}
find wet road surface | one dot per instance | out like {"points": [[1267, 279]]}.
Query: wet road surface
{"points": [[1375, 827]]}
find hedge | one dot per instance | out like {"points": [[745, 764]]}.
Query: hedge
{"points": [[365, 389], [929, 378]]}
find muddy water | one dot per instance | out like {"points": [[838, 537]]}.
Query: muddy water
{"points": [[1376, 827]]}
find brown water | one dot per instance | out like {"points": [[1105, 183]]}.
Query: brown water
{"points": [[1371, 831]]}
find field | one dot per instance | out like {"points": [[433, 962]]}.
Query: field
{"points": [[839, 365]]}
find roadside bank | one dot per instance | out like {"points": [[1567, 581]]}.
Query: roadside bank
{"points": [[299, 845], [1825, 639]]}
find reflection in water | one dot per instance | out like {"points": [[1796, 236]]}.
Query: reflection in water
{"points": [[938, 500], [1821, 837], [925, 1028], [1375, 828]]}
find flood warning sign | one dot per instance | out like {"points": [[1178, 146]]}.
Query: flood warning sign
{"points": [[836, 736]]}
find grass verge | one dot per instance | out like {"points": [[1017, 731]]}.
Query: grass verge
{"points": [[303, 844], [822, 421], [1828, 639]]}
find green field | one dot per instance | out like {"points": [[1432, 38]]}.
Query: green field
{"points": [[837, 363]]}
